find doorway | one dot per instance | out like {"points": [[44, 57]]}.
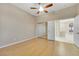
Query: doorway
{"points": [[64, 30], [42, 30]]}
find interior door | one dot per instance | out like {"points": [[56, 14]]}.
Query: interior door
{"points": [[51, 30], [76, 30]]}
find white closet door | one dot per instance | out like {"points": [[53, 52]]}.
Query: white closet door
{"points": [[76, 30], [51, 30]]}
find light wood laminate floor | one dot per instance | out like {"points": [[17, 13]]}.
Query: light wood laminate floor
{"points": [[40, 47]]}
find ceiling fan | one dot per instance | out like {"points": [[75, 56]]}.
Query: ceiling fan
{"points": [[42, 8]]}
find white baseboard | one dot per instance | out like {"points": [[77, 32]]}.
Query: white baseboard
{"points": [[24, 41], [77, 45], [65, 41], [17, 42]]}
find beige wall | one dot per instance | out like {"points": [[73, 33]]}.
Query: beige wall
{"points": [[46, 17], [78, 9], [15, 24]]}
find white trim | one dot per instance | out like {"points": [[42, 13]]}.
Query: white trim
{"points": [[76, 45], [64, 41], [17, 42]]}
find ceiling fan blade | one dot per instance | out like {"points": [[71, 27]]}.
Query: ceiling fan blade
{"points": [[45, 11], [38, 12], [33, 8], [49, 5]]}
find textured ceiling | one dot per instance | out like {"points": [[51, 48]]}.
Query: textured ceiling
{"points": [[54, 8]]}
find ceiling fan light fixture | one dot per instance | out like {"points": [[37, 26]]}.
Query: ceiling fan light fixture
{"points": [[41, 8]]}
